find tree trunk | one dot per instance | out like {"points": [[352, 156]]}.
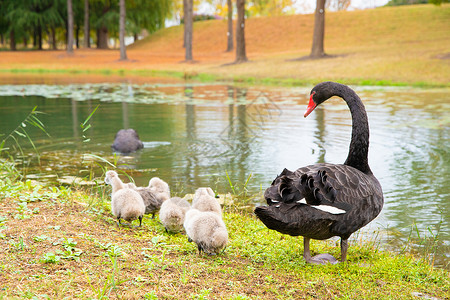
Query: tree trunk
{"points": [[53, 35], [69, 27], [230, 45], [123, 52], [185, 13], [77, 36], [87, 28], [34, 37], [39, 37], [102, 38], [188, 25], [25, 42], [241, 55], [12, 40], [135, 38], [317, 50]]}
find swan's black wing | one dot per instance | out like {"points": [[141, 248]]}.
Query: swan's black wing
{"points": [[322, 197], [339, 186]]}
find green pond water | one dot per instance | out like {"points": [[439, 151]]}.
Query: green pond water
{"points": [[196, 134]]}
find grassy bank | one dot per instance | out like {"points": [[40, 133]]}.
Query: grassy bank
{"points": [[405, 45], [60, 243]]}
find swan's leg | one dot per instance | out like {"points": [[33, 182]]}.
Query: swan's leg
{"points": [[344, 247], [306, 252], [319, 259]]}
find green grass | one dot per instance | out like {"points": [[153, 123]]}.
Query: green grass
{"points": [[73, 240]]}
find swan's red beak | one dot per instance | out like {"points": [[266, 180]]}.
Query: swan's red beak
{"points": [[311, 106]]}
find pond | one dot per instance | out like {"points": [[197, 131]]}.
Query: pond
{"points": [[214, 134]]}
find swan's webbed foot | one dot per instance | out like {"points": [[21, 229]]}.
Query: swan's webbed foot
{"points": [[322, 259]]}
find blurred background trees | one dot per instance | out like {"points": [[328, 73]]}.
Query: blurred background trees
{"points": [[43, 24], [30, 23]]}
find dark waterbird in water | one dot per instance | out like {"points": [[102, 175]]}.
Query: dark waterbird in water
{"points": [[127, 141], [325, 200]]}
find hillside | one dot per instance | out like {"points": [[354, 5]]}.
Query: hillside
{"points": [[407, 44]]}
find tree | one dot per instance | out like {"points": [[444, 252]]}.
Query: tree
{"points": [[271, 7], [188, 27], [123, 53], [317, 50], [241, 55], [105, 15], [87, 27], [148, 15], [230, 45], [69, 27]]}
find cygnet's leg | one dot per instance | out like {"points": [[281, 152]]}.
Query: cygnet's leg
{"points": [[319, 259], [344, 247], [199, 249], [140, 221], [118, 223]]}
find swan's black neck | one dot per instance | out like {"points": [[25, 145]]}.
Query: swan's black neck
{"points": [[359, 145]]}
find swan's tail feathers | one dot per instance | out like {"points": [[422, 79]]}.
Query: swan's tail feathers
{"points": [[296, 219], [282, 189], [271, 219]]}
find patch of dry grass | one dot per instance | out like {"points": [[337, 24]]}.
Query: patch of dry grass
{"points": [[387, 45]]}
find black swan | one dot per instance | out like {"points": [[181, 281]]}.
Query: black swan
{"points": [[127, 141], [325, 200]]}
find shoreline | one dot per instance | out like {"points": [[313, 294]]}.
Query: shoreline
{"points": [[53, 76]]}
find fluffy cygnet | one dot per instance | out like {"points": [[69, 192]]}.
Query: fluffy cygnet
{"points": [[126, 203], [172, 213], [207, 230], [159, 188], [151, 202], [204, 200]]}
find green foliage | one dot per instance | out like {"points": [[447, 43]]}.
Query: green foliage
{"points": [[16, 136], [51, 258], [439, 2], [202, 295], [69, 250], [149, 15], [86, 125], [405, 2], [40, 238], [26, 17]]}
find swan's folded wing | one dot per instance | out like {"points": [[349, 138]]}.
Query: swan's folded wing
{"points": [[339, 186]]}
